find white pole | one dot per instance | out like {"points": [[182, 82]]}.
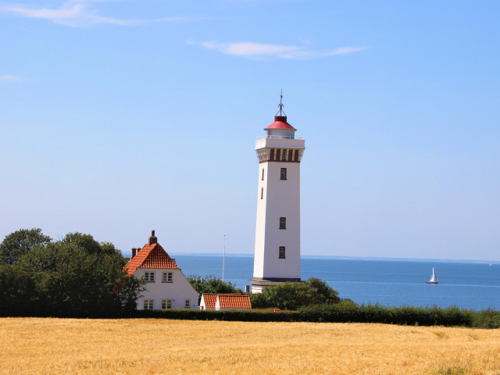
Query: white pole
{"points": [[224, 258]]}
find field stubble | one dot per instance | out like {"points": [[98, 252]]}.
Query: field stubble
{"points": [[157, 346]]}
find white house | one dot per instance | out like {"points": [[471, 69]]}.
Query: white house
{"points": [[219, 302], [167, 287], [277, 233]]}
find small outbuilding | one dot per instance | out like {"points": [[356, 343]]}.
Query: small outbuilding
{"points": [[208, 301], [219, 302]]}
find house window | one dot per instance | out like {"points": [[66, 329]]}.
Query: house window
{"points": [[283, 155], [283, 173], [167, 277], [166, 304], [282, 222], [149, 304], [262, 193], [262, 174], [282, 252], [149, 277], [187, 304]]}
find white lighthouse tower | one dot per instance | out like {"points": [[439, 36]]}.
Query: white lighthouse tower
{"points": [[277, 233]]}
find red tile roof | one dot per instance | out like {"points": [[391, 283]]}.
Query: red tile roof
{"points": [[234, 301], [150, 256], [210, 299]]}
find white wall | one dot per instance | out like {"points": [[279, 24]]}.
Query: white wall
{"points": [[178, 291], [281, 199], [265, 142]]}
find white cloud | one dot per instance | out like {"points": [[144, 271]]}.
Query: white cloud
{"points": [[249, 49], [74, 13], [10, 78]]}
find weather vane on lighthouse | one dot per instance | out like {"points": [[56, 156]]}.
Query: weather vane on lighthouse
{"points": [[281, 105]]}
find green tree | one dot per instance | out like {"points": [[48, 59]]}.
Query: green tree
{"points": [[292, 295], [73, 277], [21, 242], [212, 284], [86, 242]]}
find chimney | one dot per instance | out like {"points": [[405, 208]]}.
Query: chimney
{"points": [[152, 239], [134, 252]]}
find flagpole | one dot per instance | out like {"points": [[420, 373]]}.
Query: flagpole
{"points": [[224, 258]]}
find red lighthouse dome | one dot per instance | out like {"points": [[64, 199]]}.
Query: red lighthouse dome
{"points": [[280, 123]]}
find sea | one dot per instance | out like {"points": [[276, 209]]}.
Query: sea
{"points": [[386, 282]]}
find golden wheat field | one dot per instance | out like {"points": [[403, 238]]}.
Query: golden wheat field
{"points": [[151, 346]]}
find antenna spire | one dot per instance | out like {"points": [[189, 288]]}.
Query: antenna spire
{"points": [[281, 105]]}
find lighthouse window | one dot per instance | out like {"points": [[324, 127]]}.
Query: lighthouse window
{"points": [[283, 173], [262, 174], [282, 252], [262, 193], [282, 222], [283, 155]]}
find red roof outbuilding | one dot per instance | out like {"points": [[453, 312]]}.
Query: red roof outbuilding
{"points": [[210, 300], [234, 301]]}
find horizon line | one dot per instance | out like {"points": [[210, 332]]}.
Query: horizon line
{"points": [[342, 257]]}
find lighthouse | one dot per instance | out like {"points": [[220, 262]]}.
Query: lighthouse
{"points": [[277, 232]]}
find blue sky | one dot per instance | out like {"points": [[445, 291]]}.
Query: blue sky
{"points": [[119, 117]]}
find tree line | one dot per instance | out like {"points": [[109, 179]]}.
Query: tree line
{"points": [[285, 296], [75, 276]]}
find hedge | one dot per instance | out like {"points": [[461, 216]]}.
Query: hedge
{"points": [[226, 315], [344, 312]]}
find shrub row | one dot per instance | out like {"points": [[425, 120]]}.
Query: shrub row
{"points": [[345, 312], [404, 315], [227, 315]]}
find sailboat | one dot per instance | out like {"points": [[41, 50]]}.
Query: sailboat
{"points": [[433, 279]]}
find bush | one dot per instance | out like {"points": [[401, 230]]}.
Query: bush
{"points": [[292, 295], [486, 319], [212, 284]]}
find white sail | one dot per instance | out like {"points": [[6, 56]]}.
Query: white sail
{"points": [[433, 277]]}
